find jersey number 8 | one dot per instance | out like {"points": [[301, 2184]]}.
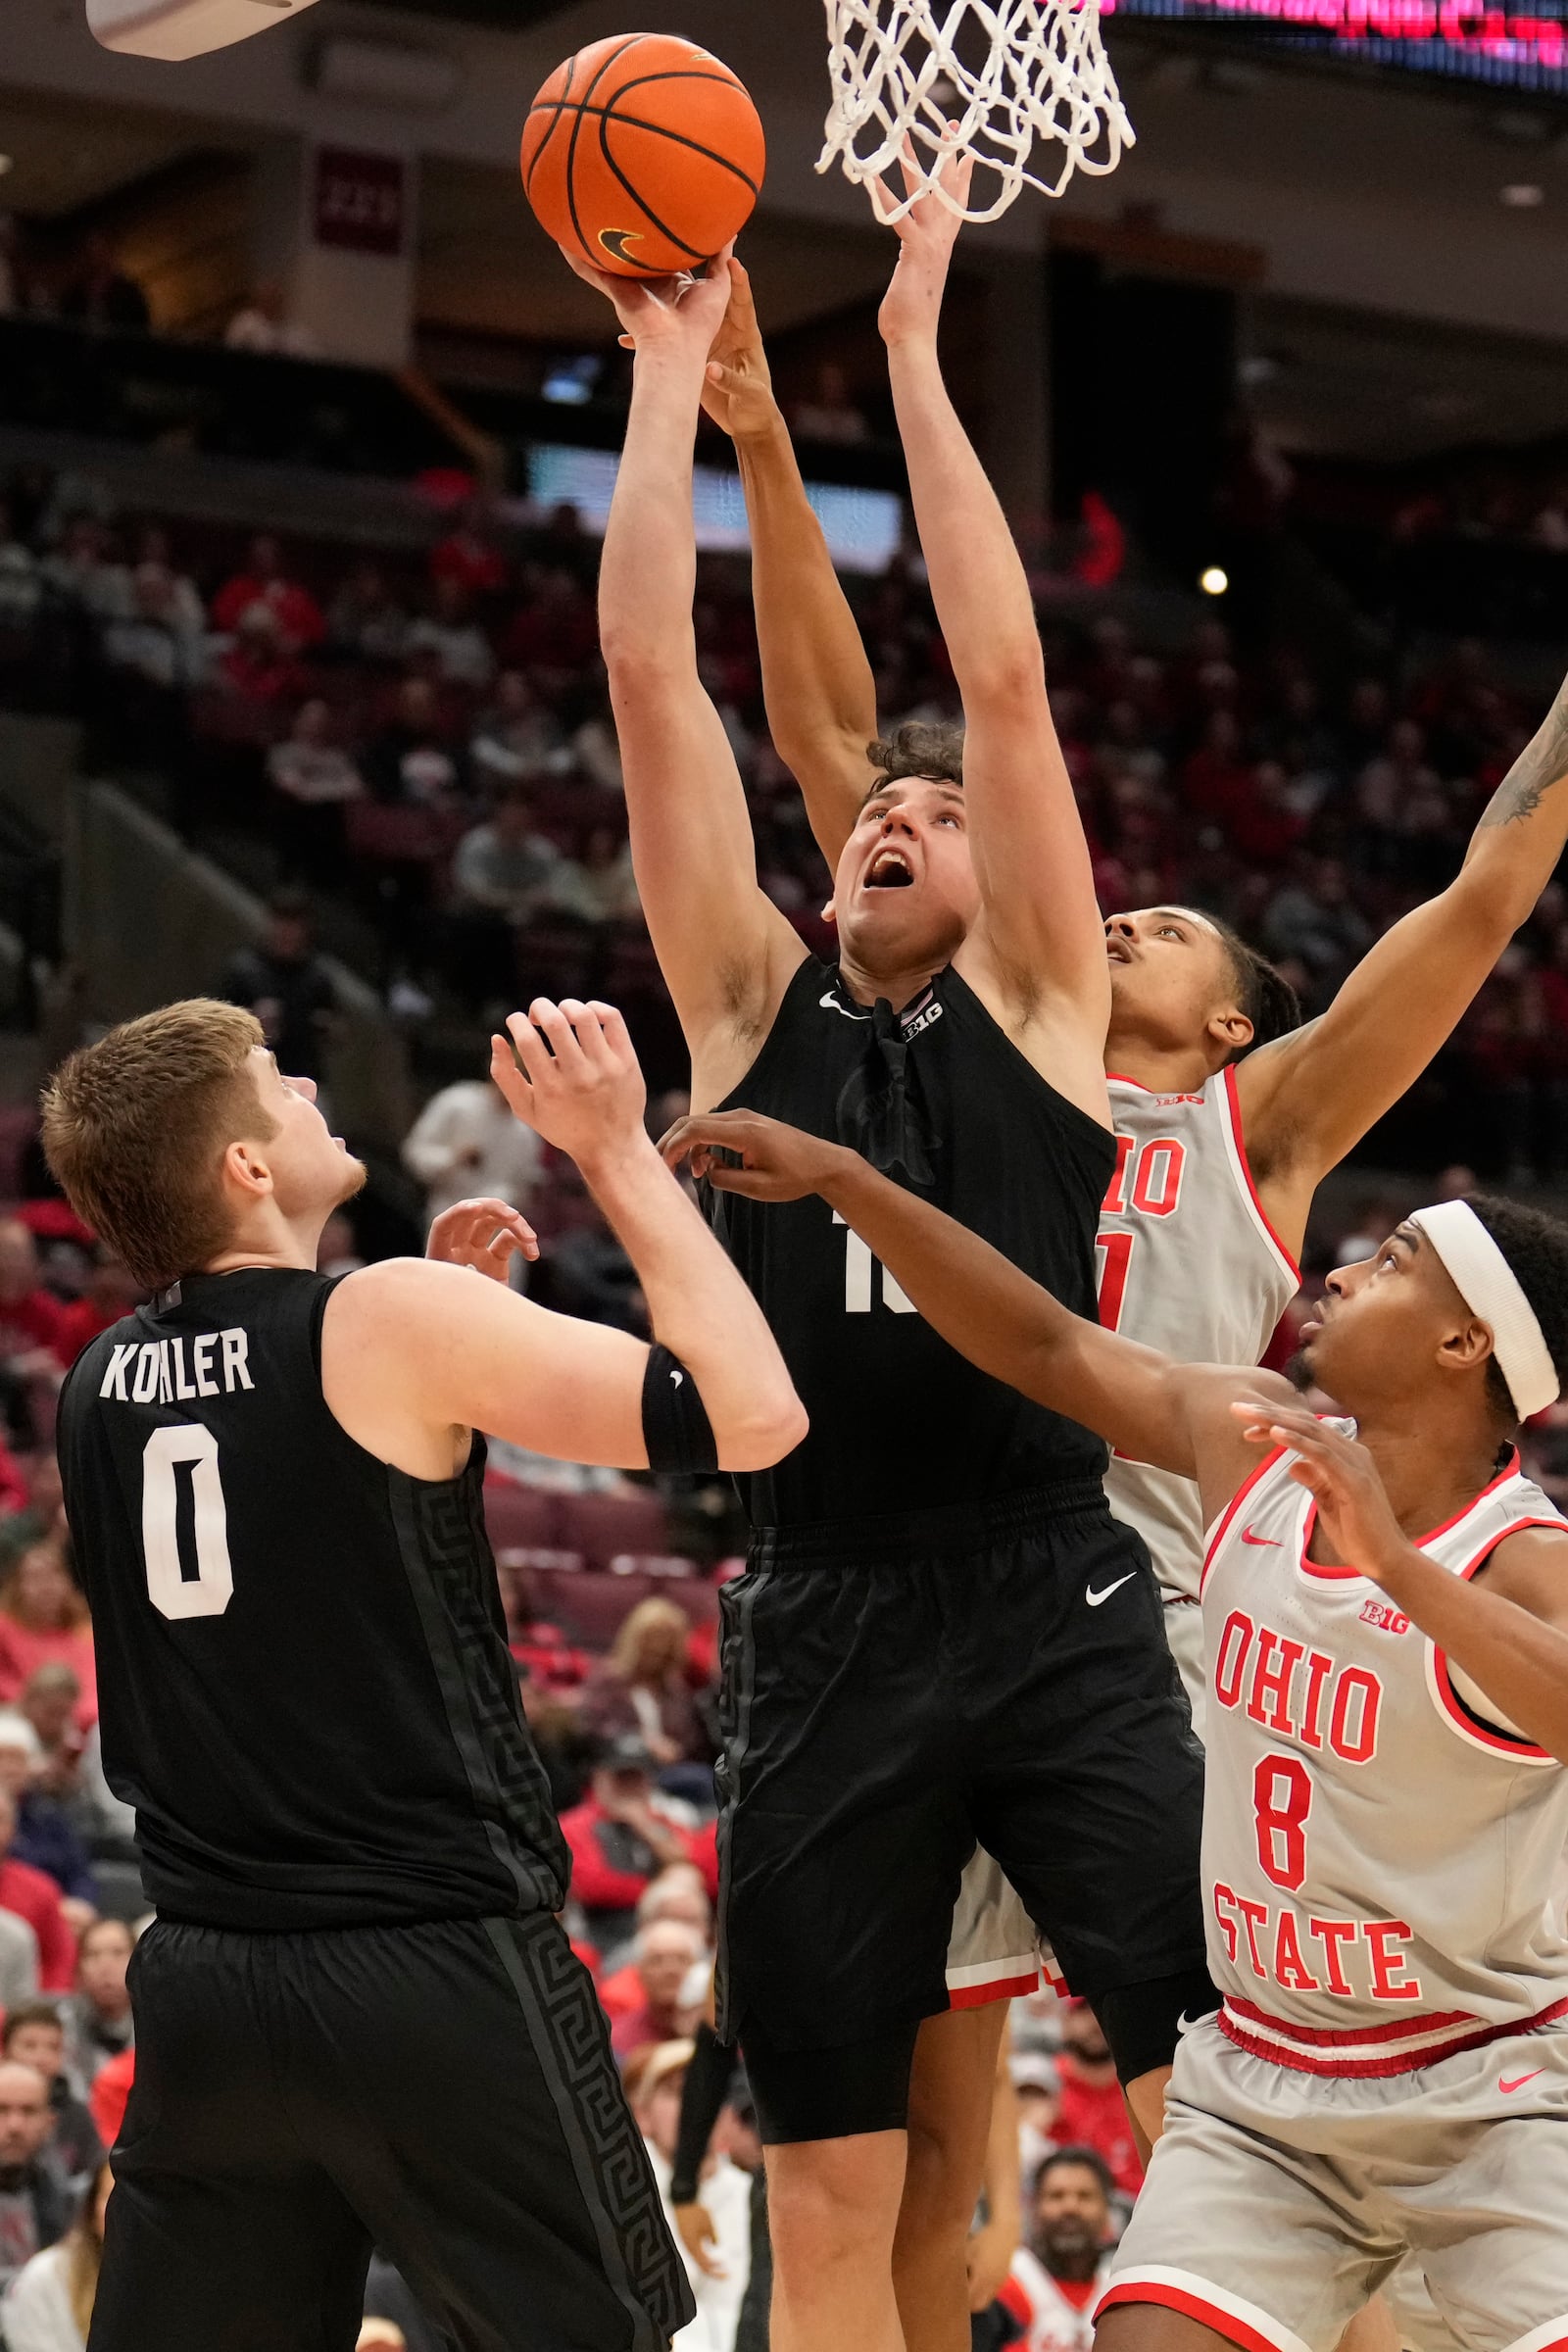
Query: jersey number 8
{"points": [[203, 1524]]}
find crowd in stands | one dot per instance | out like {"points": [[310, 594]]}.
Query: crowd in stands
{"points": [[431, 743], [427, 744]]}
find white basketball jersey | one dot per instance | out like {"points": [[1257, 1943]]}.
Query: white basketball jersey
{"points": [[1188, 1264], [1382, 1868], [1053, 2322]]}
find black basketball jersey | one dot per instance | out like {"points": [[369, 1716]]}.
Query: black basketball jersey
{"points": [[304, 1680], [940, 1099]]}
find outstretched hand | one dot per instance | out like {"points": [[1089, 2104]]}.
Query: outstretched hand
{"points": [[926, 234], [1341, 1478], [740, 1152], [738, 391], [681, 313], [484, 1235], [569, 1073]]}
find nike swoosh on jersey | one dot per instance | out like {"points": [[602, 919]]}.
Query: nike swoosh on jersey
{"points": [[830, 1003], [675, 1378], [1520, 2080], [1248, 1537], [1094, 1598]]}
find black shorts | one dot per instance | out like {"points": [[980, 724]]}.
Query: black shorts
{"points": [[894, 1692], [446, 2091]]}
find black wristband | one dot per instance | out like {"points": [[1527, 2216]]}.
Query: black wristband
{"points": [[677, 1429], [708, 2080]]}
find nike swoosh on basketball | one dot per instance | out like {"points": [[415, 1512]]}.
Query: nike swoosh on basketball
{"points": [[1520, 2080], [1248, 1537], [1094, 1598]]}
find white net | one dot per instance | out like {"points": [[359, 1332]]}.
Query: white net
{"points": [[1008, 77]]}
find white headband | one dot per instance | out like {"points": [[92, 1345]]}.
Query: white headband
{"points": [[1490, 1288]]}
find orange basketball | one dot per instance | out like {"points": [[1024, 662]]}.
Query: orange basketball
{"points": [[643, 153]]}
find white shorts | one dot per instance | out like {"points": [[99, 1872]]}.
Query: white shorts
{"points": [[996, 1951], [1278, 2202], [1184, 1632]]}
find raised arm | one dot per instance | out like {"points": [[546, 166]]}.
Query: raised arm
{"points": [[1143, 1403], [1307, 1098], [816, 680], [1505, 1631], [726, 953], [1039, 930], [416, 1353]]}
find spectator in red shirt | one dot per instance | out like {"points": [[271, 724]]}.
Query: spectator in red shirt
{"points": [[299, 617], [44, 1622], [110, 1293], [619, 1840], [1057, 2273], [1092, 2113], [36, 1898], [31, 1319], [677, 1893], [108, 2094], [663, 1957], [468, 558]]}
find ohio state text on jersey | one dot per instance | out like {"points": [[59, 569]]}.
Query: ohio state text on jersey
{"points": [[1382, 1865]]}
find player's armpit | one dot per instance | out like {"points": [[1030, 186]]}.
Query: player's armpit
{"points": [[1504, 1632]]}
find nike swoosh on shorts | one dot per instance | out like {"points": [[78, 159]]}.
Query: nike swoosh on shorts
{"points": [[1094, 1598], [1520, 2080]]}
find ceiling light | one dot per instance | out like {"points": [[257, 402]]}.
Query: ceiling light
{"points": [[1521, 195], [7, 162], [1213, 581]]}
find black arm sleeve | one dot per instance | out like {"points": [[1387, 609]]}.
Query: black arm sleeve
{"points": [[677, 1429], [708, 2080]]}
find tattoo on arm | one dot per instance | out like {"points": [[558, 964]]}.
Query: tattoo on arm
{"points": [[1542, 763]]}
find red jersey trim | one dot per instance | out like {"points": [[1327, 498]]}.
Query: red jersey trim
{"points": [[1395, 2061], [1131, 2289], [1440, 1679], [1222, 1525], [1397, 2029], [1327, 1570], [1233, 1112], [994, 1989], [1510, 1469]]}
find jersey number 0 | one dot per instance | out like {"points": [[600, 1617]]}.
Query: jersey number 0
{"points": [[177, 1463]]}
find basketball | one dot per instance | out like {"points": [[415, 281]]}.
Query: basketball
{"points": [[643, 153]]}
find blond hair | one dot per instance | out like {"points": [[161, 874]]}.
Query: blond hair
{"points": [[623, 1658], [136, 1128]]}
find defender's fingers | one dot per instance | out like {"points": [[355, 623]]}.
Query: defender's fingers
{"points": [[553, 1025], [602, 1035], [504, 1066]]}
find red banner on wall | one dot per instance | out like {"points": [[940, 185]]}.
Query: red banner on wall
{"points": [[360, 200]]}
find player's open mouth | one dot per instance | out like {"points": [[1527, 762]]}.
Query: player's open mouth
{"points": [[1118, 949], [889, 869]]}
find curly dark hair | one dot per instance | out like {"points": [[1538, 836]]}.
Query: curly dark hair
{"points": [[1536, 1247], [921, 747]]}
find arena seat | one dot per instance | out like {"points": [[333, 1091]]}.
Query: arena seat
{"points": [[521, 1518]]}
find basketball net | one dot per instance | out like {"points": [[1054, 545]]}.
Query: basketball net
{"points": [[899, 80]]}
